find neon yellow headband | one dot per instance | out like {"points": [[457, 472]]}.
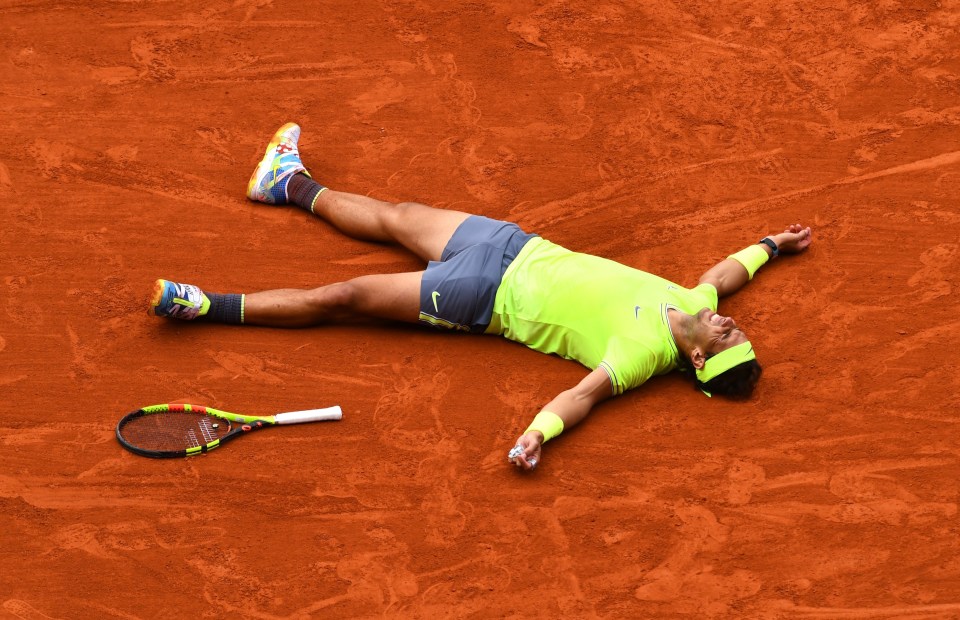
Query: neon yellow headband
{"points": [[724, 361]]}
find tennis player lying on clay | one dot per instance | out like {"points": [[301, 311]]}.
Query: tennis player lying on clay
{"points": [[486, 276]]}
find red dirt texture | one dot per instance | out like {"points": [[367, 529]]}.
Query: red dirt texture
{"points": [[661, 135]]}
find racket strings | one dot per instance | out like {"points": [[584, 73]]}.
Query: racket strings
{"points": [[173, 430]]}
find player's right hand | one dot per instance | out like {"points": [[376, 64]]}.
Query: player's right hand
{"points": [[529, 458]]}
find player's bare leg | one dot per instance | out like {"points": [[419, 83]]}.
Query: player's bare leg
{"points": [[281, 178], [423, 230], [394, 296]]}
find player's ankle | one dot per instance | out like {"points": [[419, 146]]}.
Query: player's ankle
{"points": [[303, 191], [222, 308]]}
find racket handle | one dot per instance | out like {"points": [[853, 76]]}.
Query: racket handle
{"points": [[310, 415]]}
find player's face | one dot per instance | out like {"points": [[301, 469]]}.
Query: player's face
{"points": [[719, 332]]}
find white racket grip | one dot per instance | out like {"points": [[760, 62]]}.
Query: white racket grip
{"points": [[310, 415]]}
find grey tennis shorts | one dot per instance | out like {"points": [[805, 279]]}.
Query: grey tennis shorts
{"points": [[458, 291]]}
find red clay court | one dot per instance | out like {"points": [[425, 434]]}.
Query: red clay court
{"points": [[664, 136]]}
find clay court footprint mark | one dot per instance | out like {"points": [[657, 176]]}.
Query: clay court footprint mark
{"points": [[528, 29], [8, 379], [933, 277], [5, 181], [23, 610], [249, 366], [683, 570], [195, 537], [81, 536], [84, 359], [577, 122], [252, 6], [11, 487], [496, 460], [743, 479]]}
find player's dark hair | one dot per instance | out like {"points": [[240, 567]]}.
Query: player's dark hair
{"points": [[736, 383]]}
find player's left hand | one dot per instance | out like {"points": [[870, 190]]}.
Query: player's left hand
{"points": [[794, 239], [530, 445]]}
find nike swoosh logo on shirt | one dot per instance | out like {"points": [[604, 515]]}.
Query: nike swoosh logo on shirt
{"points": [[636, 312]]}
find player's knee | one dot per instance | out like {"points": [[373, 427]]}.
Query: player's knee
{"points": [[406, 214], [401, 219], [404, 209], [334, 299]]}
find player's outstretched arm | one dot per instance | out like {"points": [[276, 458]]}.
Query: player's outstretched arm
{"points": [[729, 275], [563, 412]]}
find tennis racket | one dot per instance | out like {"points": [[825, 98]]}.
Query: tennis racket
{"points": [[169, 431]]}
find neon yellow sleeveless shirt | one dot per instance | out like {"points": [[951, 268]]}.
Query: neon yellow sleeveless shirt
{"points": [[593, 310]]}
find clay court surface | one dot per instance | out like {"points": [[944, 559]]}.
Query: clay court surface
{"points": [[664, 136]]}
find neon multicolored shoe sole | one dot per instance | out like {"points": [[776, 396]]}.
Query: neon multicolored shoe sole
{"points": [[281, 160], [176, 301]]}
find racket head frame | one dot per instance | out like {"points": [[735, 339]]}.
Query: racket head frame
{"points": [[239, 424]]}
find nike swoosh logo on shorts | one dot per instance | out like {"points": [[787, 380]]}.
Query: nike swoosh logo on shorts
{"points": [[434, 295]]}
